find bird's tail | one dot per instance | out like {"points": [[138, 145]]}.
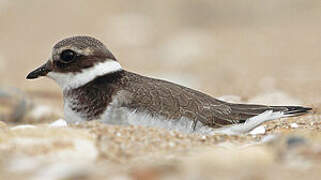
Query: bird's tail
{"points": [[246, 111], [251, 116]]}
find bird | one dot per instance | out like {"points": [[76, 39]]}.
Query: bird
{"points": [[96, 87]]}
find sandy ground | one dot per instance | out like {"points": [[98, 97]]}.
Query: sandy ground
{"points": [[241, 51]]}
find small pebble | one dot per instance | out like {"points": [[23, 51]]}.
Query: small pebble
{"points": [[171, 144], [59, 123], [294, 141], [294, 125]]}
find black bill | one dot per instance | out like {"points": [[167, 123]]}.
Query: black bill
{"points": [[41, 71]]}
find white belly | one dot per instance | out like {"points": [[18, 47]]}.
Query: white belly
{"points": [[125, 116]]}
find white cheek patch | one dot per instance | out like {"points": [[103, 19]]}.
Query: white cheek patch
{"points": [[75, 80]]}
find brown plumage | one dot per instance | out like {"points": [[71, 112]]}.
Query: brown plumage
{"points": [[93, 94], [169, 100]]}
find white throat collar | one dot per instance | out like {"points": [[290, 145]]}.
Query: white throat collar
{"points": [[74, 80]]}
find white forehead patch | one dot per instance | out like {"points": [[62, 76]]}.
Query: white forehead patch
{"points": [[74, 80]]}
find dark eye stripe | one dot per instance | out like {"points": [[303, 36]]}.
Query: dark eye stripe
{"points": [[61, 65]]}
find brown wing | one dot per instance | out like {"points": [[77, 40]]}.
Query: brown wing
{"points": [[174, 101]]}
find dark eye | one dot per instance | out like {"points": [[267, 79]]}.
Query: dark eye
{"points": [[67, 56]]}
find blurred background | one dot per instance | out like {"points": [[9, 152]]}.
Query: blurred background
{"points": [[242, 48], [248, 51]]}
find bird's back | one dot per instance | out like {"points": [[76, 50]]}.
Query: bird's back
{"points": [[173, 101]]}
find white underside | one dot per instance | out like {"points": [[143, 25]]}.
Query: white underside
{"points": [[124, 116], [77, 79]]}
